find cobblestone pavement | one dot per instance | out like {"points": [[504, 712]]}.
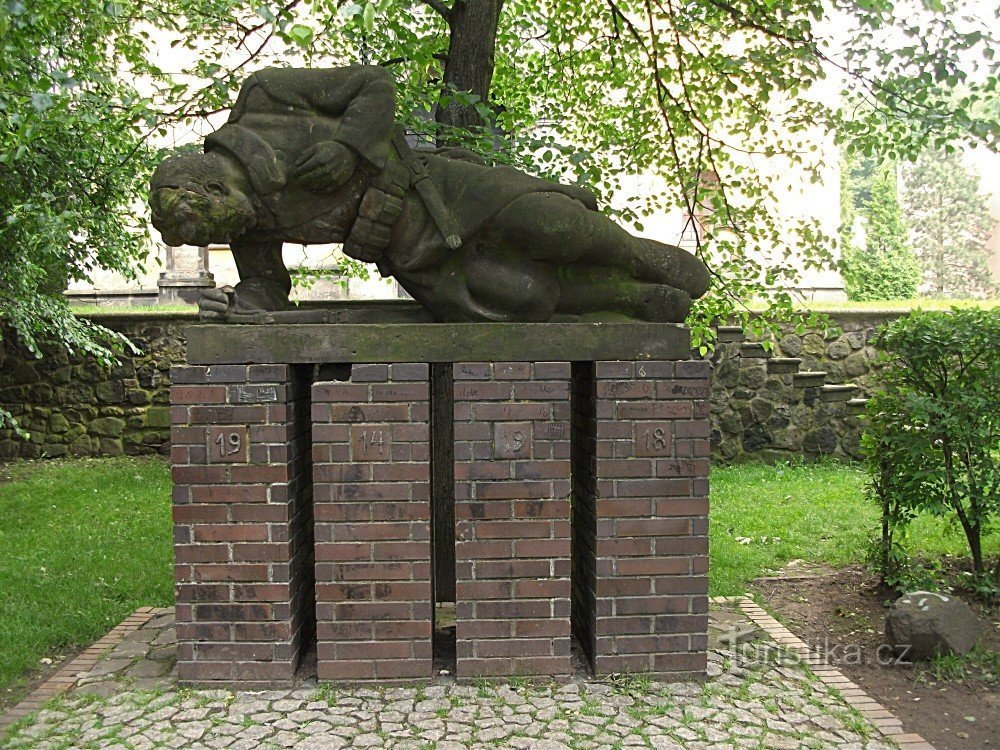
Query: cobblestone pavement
{"points": [[129, 701]]}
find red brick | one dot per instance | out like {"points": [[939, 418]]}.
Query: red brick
{"points": [[197, 394], [547, 548], [639, 566], [199, 475], [230, 572], [200, 514], [201, 552], [512, 529], [230, 533], [511, 412]]}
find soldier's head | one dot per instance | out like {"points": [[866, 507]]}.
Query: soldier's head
{"points": [[200, 199]]}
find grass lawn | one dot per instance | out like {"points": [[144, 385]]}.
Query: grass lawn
{"points": [[763, 516], [82, 544], [924, 303], [85, 542]]}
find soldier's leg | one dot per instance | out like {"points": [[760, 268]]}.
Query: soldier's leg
{"points": [[601, 293], [502, 284], [264, 281], [554, 228]]}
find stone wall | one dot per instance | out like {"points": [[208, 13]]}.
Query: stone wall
{"points": [[766, 405], [760, 408], [72, 406]]}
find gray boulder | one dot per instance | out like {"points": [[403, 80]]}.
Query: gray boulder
{"points": [[931, 623]]}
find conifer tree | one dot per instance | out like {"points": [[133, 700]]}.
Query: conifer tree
{"points": [[951, 225], [885, 267]]}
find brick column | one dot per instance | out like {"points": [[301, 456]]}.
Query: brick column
{"points": [[650, 483], [512, 551], [373, 549], [242, 522]]}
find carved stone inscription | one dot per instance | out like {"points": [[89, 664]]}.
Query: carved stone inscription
{"points": [[256, 394], [653, 439], [512, 440], [371, 442], [228, 444]]}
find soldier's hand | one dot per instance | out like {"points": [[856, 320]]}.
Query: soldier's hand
{"points": [[325, 166], [215, 303]]}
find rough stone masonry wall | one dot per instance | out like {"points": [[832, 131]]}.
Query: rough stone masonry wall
{"points": [[765, 415], [73, 407]]}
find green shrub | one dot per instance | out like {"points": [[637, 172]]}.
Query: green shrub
{"points": [[932, 436]]}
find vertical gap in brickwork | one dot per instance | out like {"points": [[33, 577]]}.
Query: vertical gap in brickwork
{"points": [[583, 510], [301, 532], [442, 429]]}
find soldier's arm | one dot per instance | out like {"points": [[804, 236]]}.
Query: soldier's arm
{"points": [[362, 96]]}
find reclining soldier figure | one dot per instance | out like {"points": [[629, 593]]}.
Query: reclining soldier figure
{"points": [[314, 157]]}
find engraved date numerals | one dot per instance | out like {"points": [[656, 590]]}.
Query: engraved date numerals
{"points": [[653, 439], [371, 442], [512, 440], [228, 444]]}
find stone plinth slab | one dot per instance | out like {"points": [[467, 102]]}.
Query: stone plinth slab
{"points": [[375, 342]]}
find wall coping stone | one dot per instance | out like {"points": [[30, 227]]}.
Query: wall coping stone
{"points": [[404, 310], [305, 343]]}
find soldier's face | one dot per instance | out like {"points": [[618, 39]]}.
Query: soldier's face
{"points": [[200, 210]]}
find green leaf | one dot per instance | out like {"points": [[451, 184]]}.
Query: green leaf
{"points": [[41, 101], [368, 17], [301, 35]]}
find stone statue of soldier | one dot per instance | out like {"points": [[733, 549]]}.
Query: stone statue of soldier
{"points": [[314, 156]]}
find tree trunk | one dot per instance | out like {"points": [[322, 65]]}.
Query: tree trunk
{"points": [[886, 550], [472, 41], [973, 533], [976, 547]]}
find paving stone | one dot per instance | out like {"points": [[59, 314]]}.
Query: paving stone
{"points": [[146, 668], [746, 703], [144, 635], [128, 650], [163, 621], [108, 666]]}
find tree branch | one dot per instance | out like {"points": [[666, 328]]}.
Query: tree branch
{"points": [[442, 10]]}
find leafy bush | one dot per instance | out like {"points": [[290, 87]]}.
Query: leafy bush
{"points": [[932, 440]]}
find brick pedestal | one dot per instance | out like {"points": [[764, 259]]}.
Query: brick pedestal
{"points": [[641, 505], [512, 468], [242, 522], [452, 479], [373, 549]]}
